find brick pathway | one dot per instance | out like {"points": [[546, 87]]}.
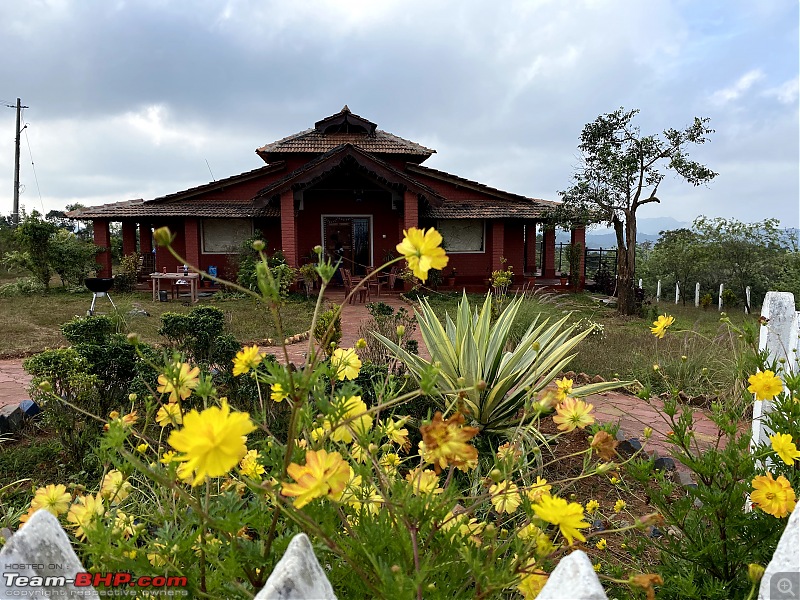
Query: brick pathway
{"points": [[632, 414]]}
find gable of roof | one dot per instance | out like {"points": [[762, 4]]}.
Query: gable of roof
{"points": [[349, 156]]}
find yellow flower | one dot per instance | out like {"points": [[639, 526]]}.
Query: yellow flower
{"points": [[323, 474], [765, 385], [446, 441], [509, 451], [505, 497], [168, 457], [250, 467], [597, 567], [530, 584], [602, 544], [169, 414], [360, 453], [52, 498], [424, 482], [619, 505], [130, 419], [247, 358], [592, 506], [660, 325], [539, 489], [212, 442], [564, 388], [774, 496], [124, 524], [755, 572], [83, 512], [784, 447], [532, 534], [390, 461], [567, 515], [179, 381], [573, 413], [115, 488], [398, 434], [142, 448], [423, 251], [351, 408], [346, 363], [278, 394]]}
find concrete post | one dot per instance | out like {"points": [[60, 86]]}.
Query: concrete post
{"points": [[747, 300], [677, 292], [697, 295], [721, 288], [658, 291]]}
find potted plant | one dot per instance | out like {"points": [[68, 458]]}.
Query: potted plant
{"points": [[451, 279], [309, 276], [564, 277]]}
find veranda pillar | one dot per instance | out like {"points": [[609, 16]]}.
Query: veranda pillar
{"points": [[498, 245], [578, 236], [288, 228], [102, 239], [549, 253], [530, 248], [191, 234], [145, 238], [128, 238]]}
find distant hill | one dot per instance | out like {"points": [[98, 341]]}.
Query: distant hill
{"points": [[648, 230]]}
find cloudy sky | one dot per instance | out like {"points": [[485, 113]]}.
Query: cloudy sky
{"points": [[136, 99]]}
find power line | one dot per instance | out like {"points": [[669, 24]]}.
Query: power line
{"points": [[33, 166]]}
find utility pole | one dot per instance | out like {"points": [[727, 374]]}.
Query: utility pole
{"points": [[15, 213]]}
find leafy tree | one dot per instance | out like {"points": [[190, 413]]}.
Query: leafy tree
{"points": [[620, 171], [33, 240], [679, 256], [71, 258]]}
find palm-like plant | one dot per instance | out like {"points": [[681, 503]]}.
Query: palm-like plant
{"points": [[473, 349]]}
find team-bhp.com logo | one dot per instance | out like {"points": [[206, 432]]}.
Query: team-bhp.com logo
{"points": [[111, 583]]}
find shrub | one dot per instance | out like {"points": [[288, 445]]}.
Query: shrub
{"points": [[24, 286], [328, 330], [128, 273], [385, 321], [72, 258], [706, 300]]}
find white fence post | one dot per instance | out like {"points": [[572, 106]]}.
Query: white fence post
{"points": [[640, 284], [779, 336], [697, 294], [677, 292], [721, 288], [747, 300], [658, 291]]}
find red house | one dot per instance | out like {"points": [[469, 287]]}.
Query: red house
{"points": [[347, 186]]}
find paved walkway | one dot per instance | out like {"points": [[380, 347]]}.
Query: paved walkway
{"points": [[632, 414]]}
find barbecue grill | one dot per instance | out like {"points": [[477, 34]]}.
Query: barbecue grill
{"points": [[99, 286]]}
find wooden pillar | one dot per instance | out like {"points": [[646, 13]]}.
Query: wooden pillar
{"points": [[128, 237], [145, 238], [578, 236], [530, 248], [102, 239], [498, 244], [191, 235], [410, 210], [288, 228], [549, 253]]}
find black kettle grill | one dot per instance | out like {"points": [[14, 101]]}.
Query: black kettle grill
{"points": [[99, 286]]}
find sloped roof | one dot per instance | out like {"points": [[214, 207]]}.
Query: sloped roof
{"points": [[344, 127]]}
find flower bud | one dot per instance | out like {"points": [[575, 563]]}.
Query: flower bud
{"points": [[755, 572], [656, 367], [648, 431], [163, 236], [496, 475], [259, 245], [317, 249], [133, 339], [481, 385], [361, 343], [684, 358], [401, 330], [394, 568], [490, 530], [132, 397], [46, 387]]}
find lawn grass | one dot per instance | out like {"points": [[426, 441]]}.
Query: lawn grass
{"points": [[31, 323]]}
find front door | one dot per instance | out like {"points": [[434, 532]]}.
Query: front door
{"points": [[348, 239]]}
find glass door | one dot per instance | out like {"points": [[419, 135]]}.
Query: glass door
{"points": [[348, 239]]}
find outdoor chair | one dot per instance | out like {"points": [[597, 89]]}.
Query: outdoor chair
{"points": [[350, 284]]}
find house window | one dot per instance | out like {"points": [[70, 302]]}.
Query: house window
{"points": [[462, 235], [225, 236]]}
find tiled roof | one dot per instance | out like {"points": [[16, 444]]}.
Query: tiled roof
{"points": [[481, 208], [241, 209], [313, 141]]}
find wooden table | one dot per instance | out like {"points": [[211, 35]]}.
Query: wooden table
{"points": [[192, 279]]}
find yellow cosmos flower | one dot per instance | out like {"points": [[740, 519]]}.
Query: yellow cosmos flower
{"points": [[130, 419], [346, 363], [390, 461], [539, 489], [83, 512], [602, 544], [168, 457], [115, 488], [423, 482], [169, 414], [250, 467], [660, 325], [765, 385], [508, 451], [277, 393], [247, 358], [212, 442], [535, 536], [564, 388], [324, 474], [361, 454], [351, 408], [620, 505], [179, 381], [52, 498], [446, 442], [505, 497], [398, 434], [423, 251], [774, 496], [124, 524], [568, 516], [142, 448], [592, 506], [784, 447], [573, 413], [531, 584]]}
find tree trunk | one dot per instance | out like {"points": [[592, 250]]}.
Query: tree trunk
{"points": [[626, 263]]}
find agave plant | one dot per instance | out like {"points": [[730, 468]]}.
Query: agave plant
{"points": [[473, 349]]}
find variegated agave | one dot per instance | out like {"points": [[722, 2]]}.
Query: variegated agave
{"points": [[473, 349]]}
